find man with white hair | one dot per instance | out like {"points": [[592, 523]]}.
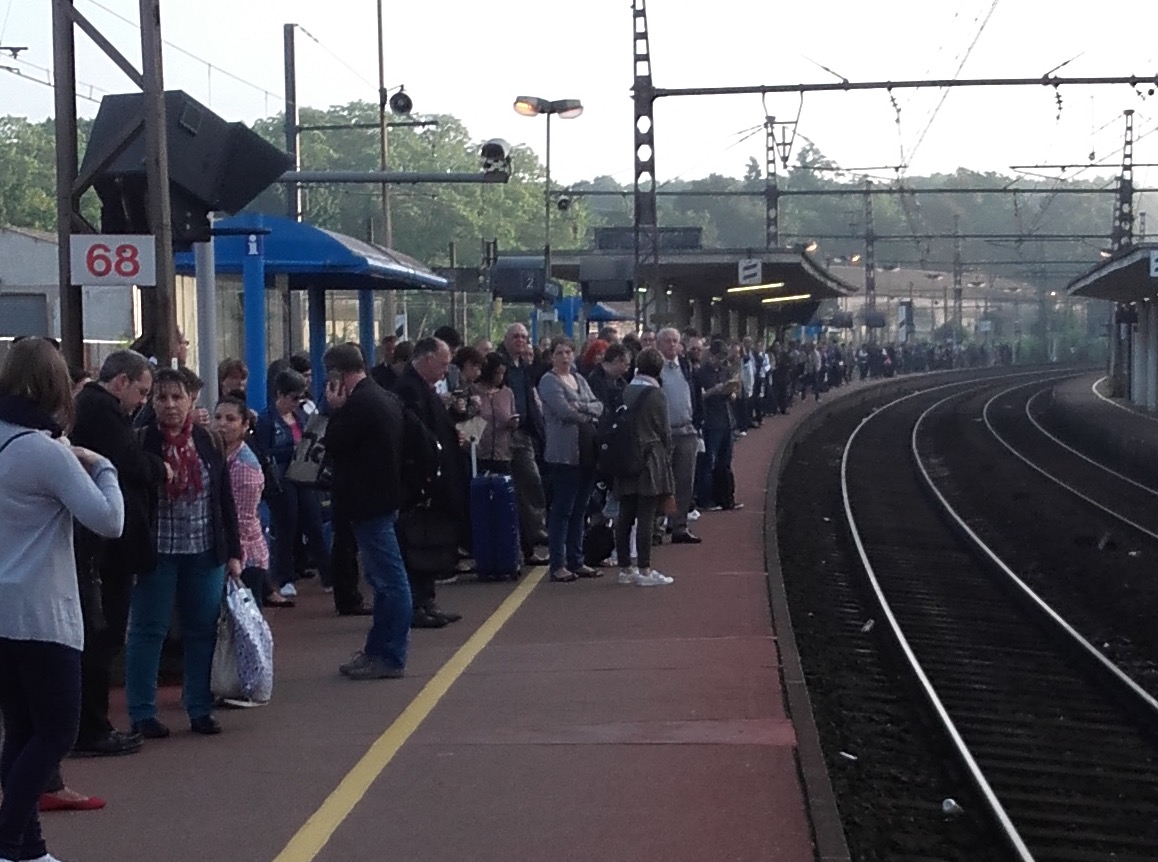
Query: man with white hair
{"points": [[683, 416], [526, 439]]}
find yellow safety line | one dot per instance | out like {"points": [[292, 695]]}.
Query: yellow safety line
{"points": [[308, 842]]}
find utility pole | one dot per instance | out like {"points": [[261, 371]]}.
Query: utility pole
{"points": [[157, 302], [390, 306], [870, 266], [292, 121], [771, 187], [957, 271], [157, 178], [646, 208]]}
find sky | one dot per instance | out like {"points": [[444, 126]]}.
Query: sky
{"points": [[472, 59]]}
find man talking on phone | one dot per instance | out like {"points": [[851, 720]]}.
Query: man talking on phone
{"points": [[364, 441]]}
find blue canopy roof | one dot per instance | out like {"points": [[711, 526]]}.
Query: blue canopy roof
{"points": [[604, 313], [313, 257]]}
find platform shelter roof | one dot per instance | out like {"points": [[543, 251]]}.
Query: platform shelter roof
{"points": [[313, 257], [1130, 275]]}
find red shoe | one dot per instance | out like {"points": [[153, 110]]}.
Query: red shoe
{"points": [[52, 802]]}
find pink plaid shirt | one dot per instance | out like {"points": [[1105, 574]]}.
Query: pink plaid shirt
{"points": [[247, 482]]}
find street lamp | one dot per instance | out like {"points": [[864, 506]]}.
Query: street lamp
{"points": [[567, 109]]}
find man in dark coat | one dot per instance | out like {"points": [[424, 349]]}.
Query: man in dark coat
{"points": [[447, 503], [526, 442], [103, 408], [365, 436]]}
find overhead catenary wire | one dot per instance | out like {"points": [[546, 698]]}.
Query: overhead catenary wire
{"points": [[191, 55], [945, 91], [47, 80]]}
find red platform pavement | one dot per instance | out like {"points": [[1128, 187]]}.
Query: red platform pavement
{"points": [[582, 721]]}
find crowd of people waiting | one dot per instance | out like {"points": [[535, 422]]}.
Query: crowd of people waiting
{"points": [[122, 500]]}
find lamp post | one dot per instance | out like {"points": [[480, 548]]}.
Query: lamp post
{"points": [[567, 109]]}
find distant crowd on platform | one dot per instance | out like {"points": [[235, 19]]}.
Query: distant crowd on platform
{"points": [[613, 445]]}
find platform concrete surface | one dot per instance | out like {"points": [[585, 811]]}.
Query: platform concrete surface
{"points": [[581, 721]]}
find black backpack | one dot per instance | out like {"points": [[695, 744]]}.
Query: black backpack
{"points": [[619, 452], [421, 460]]}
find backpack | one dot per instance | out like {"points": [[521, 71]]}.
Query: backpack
{"points": [[619, 453]]}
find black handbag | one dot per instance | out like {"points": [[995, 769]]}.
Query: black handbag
{"points": [[588, 447], [429, 540], [92, 604]]}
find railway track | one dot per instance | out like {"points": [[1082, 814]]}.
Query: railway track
{"points": [[1056, 739]]}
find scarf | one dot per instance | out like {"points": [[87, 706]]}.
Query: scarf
{"points": [[18, 410], [180, 453]]}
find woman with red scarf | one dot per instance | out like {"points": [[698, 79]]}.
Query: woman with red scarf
{"points": [[197, 542]]}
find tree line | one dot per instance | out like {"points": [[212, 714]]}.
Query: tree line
{"points": [[427, 218]]}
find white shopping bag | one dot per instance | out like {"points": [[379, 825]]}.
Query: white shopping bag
{"points": [[224, 680], [252, 643]]}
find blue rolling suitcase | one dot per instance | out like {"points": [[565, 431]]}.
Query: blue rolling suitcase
{"points": [[494, 518]]}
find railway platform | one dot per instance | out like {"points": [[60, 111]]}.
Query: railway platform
{"points": [[1082, 409], [578, 721]]}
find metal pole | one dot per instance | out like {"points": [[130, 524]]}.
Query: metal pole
{"points": [[318, 340], [253, 293], [390, 308], [547, 209], [164, 323], [205, 270], [64, 75], [452, 256], [292, 122]]}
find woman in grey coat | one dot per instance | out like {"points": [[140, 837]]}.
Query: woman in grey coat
{"points": [[570, 411], [642, 497]]}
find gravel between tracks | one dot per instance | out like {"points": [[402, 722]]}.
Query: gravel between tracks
{"points": [[890, 795]]}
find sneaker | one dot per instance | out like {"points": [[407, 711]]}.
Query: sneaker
{"points": [[375, 668], [442, 582], [655, 578], [694, 515], [242, 702], [628, 575], [289, 591], [356, 660]]}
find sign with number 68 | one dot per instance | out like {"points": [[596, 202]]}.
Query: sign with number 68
{"points": [[113, 259]]}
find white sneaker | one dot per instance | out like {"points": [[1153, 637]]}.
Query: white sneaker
{"points": [[655, 579], [694, 515], [289, 591], [628, 575]]}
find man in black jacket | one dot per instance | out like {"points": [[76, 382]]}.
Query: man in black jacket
{"points": [[108, 567], [526, 442], [430, 555], [364, 442]]}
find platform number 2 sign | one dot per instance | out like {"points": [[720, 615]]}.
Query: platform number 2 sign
{"points": [[104, 259]]}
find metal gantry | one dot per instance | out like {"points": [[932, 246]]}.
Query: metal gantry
{"points": [[646, 209]]}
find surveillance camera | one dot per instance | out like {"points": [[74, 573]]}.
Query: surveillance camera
{"points": [[495, 156], [564, 204]]}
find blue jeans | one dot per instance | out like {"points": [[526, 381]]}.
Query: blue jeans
{"points": [[717, 452], [385, 572], [571, 491], [297, 512], [40, 700], [197, 583]]}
